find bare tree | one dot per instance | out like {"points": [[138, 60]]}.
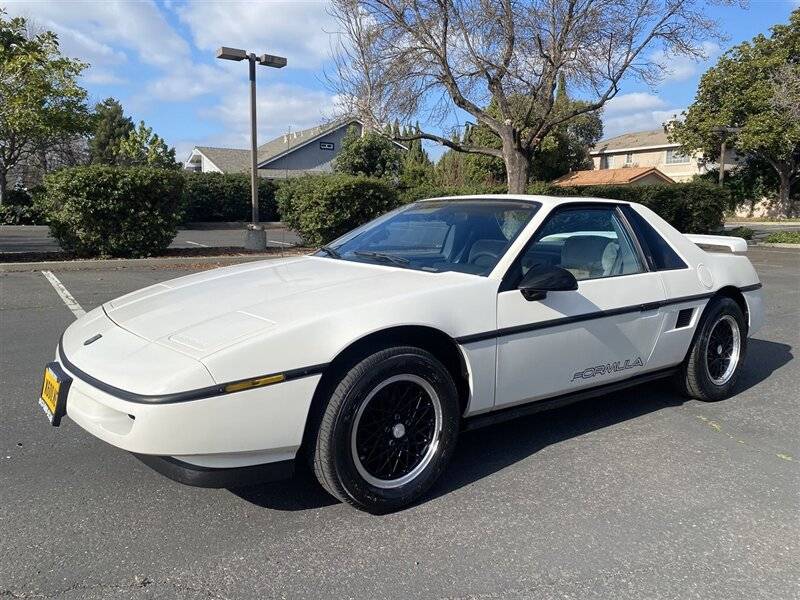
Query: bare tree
{"points": [[500, 61], [786, 91]]}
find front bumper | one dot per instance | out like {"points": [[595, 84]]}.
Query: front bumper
{"points": [[234, 430], [208, 477]]}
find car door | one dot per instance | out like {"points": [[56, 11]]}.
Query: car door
{"points": [[602, 332]]}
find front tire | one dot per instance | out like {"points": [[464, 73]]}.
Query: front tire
{"points": [[388, 431], [714, 361]]}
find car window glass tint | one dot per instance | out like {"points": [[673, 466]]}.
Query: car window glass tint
{"points": [[469, 236], [663, 256], [590, 243]]}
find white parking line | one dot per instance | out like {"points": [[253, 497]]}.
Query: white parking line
{"points": [[277, 242], [71, 303], [196, 244]]}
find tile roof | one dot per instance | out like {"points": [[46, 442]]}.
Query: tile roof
{"points": [[610, 176], [636, 139]]}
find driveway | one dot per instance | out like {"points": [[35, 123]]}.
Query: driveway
{"points": [[641, 494]]}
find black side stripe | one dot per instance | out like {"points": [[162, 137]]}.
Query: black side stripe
{"points": [[186, 396], [600, 314]]}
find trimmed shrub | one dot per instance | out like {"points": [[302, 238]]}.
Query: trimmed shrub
{"points": [[783, 237], [321, 208], [226, 197], [20, 207], [113, 211], [694, 207]]}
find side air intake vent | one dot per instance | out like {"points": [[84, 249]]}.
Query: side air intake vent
{"points": [[684, 318]]}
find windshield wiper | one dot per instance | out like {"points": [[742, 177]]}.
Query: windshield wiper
{"points": [[330, 251], [398, 260]]}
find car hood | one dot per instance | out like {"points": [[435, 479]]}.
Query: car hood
{"points": [[205, 312]]}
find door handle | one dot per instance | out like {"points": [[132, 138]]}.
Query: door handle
{"points": [[650, 306]]}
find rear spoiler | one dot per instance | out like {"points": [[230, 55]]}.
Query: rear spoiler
{"points": [[734, 244]]}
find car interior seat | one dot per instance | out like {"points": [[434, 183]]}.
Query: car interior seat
{"points": [[589, 256]]}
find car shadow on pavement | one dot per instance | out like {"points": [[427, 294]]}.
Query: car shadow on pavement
{"points": [[482, 452]]}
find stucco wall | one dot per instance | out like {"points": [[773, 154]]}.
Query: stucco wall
{"points": [[658, 158], [312, 157]]}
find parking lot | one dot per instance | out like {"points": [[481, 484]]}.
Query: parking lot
{"points": [[36, 238], [637, 495]]}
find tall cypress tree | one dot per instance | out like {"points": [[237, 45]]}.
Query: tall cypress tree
{"points": [[110, 128]]}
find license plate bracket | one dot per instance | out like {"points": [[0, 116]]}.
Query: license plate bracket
{"points": [[53, 398]]}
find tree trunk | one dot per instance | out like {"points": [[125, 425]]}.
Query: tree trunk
{"points": [[785, 190], [3, 185], [517, 168]]}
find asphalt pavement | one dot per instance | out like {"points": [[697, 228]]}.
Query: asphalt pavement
{"points": [[36, 238], [636, 495]]}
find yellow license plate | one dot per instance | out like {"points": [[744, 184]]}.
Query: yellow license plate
{"points": [[53, 398], [50, 388]]}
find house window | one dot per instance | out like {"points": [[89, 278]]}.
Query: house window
{"points": [[628, 159], [676, 157], [604, 162]]}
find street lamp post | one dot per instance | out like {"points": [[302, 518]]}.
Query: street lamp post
{"points": [[256, 238]]}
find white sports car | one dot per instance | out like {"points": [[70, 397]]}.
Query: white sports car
{"points": [[368, 357]]}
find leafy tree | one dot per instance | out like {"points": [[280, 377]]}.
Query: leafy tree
{"points": [[111, 126], [751, 98], [371, 154], [41, 103], [142, 147]]}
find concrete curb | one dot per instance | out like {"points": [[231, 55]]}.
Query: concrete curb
{"points": [[762, 223], [776, 245], [132, 263], [211, 225]]}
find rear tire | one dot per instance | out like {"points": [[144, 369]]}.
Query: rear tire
{"points": [[714, 361], [388, 430]]}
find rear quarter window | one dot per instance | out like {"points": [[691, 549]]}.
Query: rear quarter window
{"points": [[658, 251]]}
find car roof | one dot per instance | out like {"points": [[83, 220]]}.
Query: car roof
{"points": [[544, 200]]}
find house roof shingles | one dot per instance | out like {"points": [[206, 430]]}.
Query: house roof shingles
{"points": [[636, 139], [623, 176], [236, 160]]}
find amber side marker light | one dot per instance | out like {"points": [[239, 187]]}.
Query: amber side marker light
{"points": [[249, 384]]}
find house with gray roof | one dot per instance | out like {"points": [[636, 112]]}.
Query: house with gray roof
{"points": [[651, 149], [295, 153]]}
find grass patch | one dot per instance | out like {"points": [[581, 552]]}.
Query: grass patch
{"points": [[783, 237]]}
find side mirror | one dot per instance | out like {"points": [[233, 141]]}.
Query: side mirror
{"points": [[546, 278]]}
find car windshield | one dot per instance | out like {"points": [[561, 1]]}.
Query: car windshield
{"points": [[469, 236]]}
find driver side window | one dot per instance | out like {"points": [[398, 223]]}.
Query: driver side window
{"points": [[590, 243]]}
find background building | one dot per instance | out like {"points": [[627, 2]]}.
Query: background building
{"points": [[292, 154], [651, 149]]}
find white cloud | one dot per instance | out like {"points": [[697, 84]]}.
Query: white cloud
{"points": [[637, 111], [191, 81], [100, 32], [296, 30], [679, 67], [279, 108]]}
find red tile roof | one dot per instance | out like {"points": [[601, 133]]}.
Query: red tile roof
{"points": [[622, 176]]}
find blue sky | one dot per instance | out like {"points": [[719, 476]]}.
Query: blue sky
{"points": [[157, 58]]}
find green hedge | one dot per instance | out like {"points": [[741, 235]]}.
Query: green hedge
{"points": [[20, 207], [113, 211], [321, 208], [694, 207], [226, 197]]}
